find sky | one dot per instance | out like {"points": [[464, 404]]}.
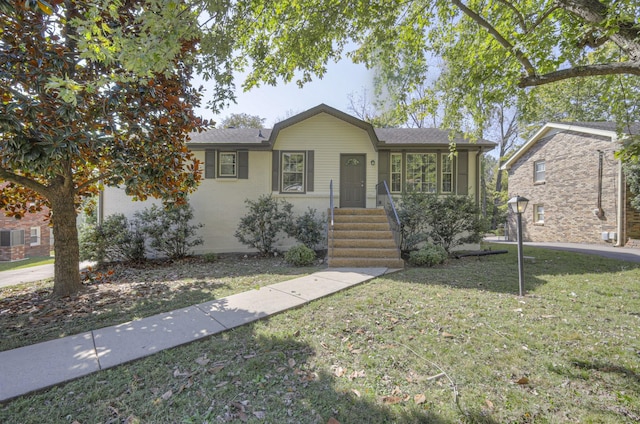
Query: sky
{"points": [[275, 103]]}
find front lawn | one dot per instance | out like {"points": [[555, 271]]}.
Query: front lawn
{"points": [[26, 263], [448, 344]]}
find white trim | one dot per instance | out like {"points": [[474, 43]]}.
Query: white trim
{"points": [[38, 236], [548, 128]]}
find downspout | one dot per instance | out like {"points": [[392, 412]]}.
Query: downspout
{"points": [[621, 206]]}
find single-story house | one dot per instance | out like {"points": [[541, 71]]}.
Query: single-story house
{"points": [[302, 157], [575, 186], [24, 238]]}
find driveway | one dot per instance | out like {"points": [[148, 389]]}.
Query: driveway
{"points": [[26, 275], [621, 253]]}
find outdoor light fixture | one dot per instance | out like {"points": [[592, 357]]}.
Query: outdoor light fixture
{"points": [[518, 205], [373, 162]]}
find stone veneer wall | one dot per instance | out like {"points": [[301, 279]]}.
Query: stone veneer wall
{"points": [[29, 220], [570, 190]]}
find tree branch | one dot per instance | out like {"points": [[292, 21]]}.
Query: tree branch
{"points": [[630, 68], [24, 181], [94, 180], [524, 61]]}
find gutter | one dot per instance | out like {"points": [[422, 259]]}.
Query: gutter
{"points": [[621, 206]]}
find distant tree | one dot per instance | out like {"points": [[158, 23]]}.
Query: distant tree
{"points": [[242, 120], [69, 123]]}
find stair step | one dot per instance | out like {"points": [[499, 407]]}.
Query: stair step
{"points": [[342, 234], [382, 219], [357, 211], [368, 243], [359, 252], [365, 263], [361, 226]]}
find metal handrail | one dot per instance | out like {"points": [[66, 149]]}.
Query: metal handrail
{"points": [[392, 214], [331, 200]]}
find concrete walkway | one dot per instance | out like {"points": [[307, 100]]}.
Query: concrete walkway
{"points": [[43, 365]]}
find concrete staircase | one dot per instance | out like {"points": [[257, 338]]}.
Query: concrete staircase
{"points": [[362, 238]]}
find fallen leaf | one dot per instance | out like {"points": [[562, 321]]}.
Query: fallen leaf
{"points": [[356, 374], [391, 400], [523, 380], [177, 373], [448, 335], [420, 398], [217, 368], [356, 392], [292, 362], [339, 371], [260, 415], [167, 395], [333, 421], [203, 360], [489, 403]]}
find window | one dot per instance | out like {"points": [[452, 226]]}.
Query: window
{"points": [[447, 174], [396, 172], [293, 164], [538, 214], [538, 171], [227, 164], [35, 236], [10, 238], [421, 172]]}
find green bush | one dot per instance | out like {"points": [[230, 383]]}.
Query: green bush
{"points": [[300, 255], [266, 219], [428, 255], [116, 239], [446, 221], [309, 229], [169, 230]]}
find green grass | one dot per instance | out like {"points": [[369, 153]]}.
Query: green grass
{"points": [[27, 263], [447, 344]]}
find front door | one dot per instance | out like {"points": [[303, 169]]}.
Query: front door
{"points": [[353, 181]]}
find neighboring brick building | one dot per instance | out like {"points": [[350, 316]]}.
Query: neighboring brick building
{"points": [[575, 186], [24, 238]]}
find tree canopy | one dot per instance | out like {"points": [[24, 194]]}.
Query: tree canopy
{"points": [[69, 123], [242, 120]]}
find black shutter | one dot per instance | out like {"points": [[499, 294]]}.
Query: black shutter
{"points": [[210, 164], [275, 170], [310, 170], [384, 171], [243, 165], [463, 173]]}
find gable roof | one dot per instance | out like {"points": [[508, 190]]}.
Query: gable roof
{"points": [[604, 129], [264, 138]]}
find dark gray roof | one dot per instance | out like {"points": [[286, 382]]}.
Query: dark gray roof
{"points": [[380, 137], [231, 136], [430, 136]]}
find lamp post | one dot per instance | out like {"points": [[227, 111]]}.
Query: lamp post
{"points": [[518, 205]]}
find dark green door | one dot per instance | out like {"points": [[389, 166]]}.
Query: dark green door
{"points": [[353, 181]]}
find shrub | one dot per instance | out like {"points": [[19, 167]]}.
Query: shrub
{"points": [[428, 255], [300, 255], [169, 229], [411, 212], [267, 217], [115, 239], [309, 229], [447, 221]]}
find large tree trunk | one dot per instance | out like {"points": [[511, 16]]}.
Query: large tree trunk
{"points": [[67, 253]]}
